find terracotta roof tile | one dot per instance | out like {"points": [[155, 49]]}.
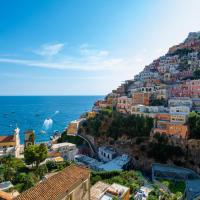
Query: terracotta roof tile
{"points": [[56, 186], [9, 138]]}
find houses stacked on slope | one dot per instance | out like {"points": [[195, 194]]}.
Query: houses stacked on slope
{"points": [[167, 90]]}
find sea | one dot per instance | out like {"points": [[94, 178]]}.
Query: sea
{"points": [[46, 115]]}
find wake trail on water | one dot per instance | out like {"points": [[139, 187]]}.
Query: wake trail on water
{"points": [[48, 123]]}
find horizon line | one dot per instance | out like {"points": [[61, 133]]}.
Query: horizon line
{"points": [[26, 95]]}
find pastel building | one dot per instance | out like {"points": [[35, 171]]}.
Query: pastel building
{"points": [[146, 111], [67, 150], [178, 130], [141, 98], [178, 118], [179, 109], [180, 90], [124, 104], [196, 103], [180, 101], [171, 125], [194, 86]]}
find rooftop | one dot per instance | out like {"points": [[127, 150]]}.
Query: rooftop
{"points": [[8, 138], [98, 190], [104, 191], [115, 164], [57, 185], [64, 144], [107, 149], [5, 196], [5, 185]]}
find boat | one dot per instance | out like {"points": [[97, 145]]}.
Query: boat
{"points": [[42, 131]]}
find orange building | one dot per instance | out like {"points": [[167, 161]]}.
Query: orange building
{"points": [[73, 128], [163, 116], [178, 130], [164, 126], [141, 98]]}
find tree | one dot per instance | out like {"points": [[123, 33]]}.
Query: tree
{"points": [[29, 181], [197, 73], [41, 171], [35, 154], [194, 125]]}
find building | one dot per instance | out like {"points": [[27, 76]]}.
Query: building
{"points": [[171, 125], [141, 98], [10, 144], [179, 109], [146, 111], [104, 191], [72, 128], [106, 154], [162, 121], [72, 183], [178, 118], [67, 150], [196, 104], [124, 104], [189, 88], [194, 86], [180, 101], [29, 138], [177, 130]]}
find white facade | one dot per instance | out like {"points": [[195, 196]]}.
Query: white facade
{"points": [[179, 109], [147, 109], [67, 150], [106, 154], [178, 101]]}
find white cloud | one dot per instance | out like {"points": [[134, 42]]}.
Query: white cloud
{"points": [[49, 49], [89, 51], [88, 59]]}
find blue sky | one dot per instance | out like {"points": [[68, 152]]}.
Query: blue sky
{"points": [[85, 47]]}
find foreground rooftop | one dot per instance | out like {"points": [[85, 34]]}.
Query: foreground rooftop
{"points": [[58, 185]]}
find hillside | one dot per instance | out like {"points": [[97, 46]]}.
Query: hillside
{"points": [[154, 116]]}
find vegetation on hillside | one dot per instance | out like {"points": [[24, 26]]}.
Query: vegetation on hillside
{"points": [[35, 154], [159, 194], [114, 124], [161, 151], [194, 125], [23, 177], [72, 139]]}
